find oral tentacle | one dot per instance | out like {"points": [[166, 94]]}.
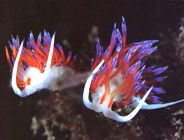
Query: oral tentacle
{"points": [[14, 73], [111, 114], [49, 60], [86, 100]]}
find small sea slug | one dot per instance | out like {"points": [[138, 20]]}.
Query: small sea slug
{"points": [[41, 64], [120, 77]]}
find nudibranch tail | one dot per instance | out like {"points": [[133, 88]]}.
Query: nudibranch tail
{"points": [[146, 106], [120, 77]]}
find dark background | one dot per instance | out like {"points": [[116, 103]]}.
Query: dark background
{"points": [[72, 19]]}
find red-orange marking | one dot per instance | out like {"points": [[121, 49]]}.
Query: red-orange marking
{"points": [[28, 81], [110, 102], [102, 99]]}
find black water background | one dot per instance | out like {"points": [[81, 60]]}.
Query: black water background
{"points": [[71, 20]]}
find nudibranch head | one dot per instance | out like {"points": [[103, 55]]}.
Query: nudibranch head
{"points": [[121, 78], [31, 64]]}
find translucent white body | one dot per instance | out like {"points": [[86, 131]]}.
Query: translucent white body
{"points": [[53, 78], [137, 102]]}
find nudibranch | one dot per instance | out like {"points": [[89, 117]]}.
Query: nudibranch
{"points": [[120, 78], [40, 65]]}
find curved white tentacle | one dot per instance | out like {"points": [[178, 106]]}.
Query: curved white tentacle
{"points": [[14, 73], [155, 106], [128, 117], [49, 60], [86, 101], [108, 112], [42, 77]]}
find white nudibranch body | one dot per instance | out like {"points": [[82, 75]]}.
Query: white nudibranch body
{"points": [[41, 66], [119, 75], [120, 78]]}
